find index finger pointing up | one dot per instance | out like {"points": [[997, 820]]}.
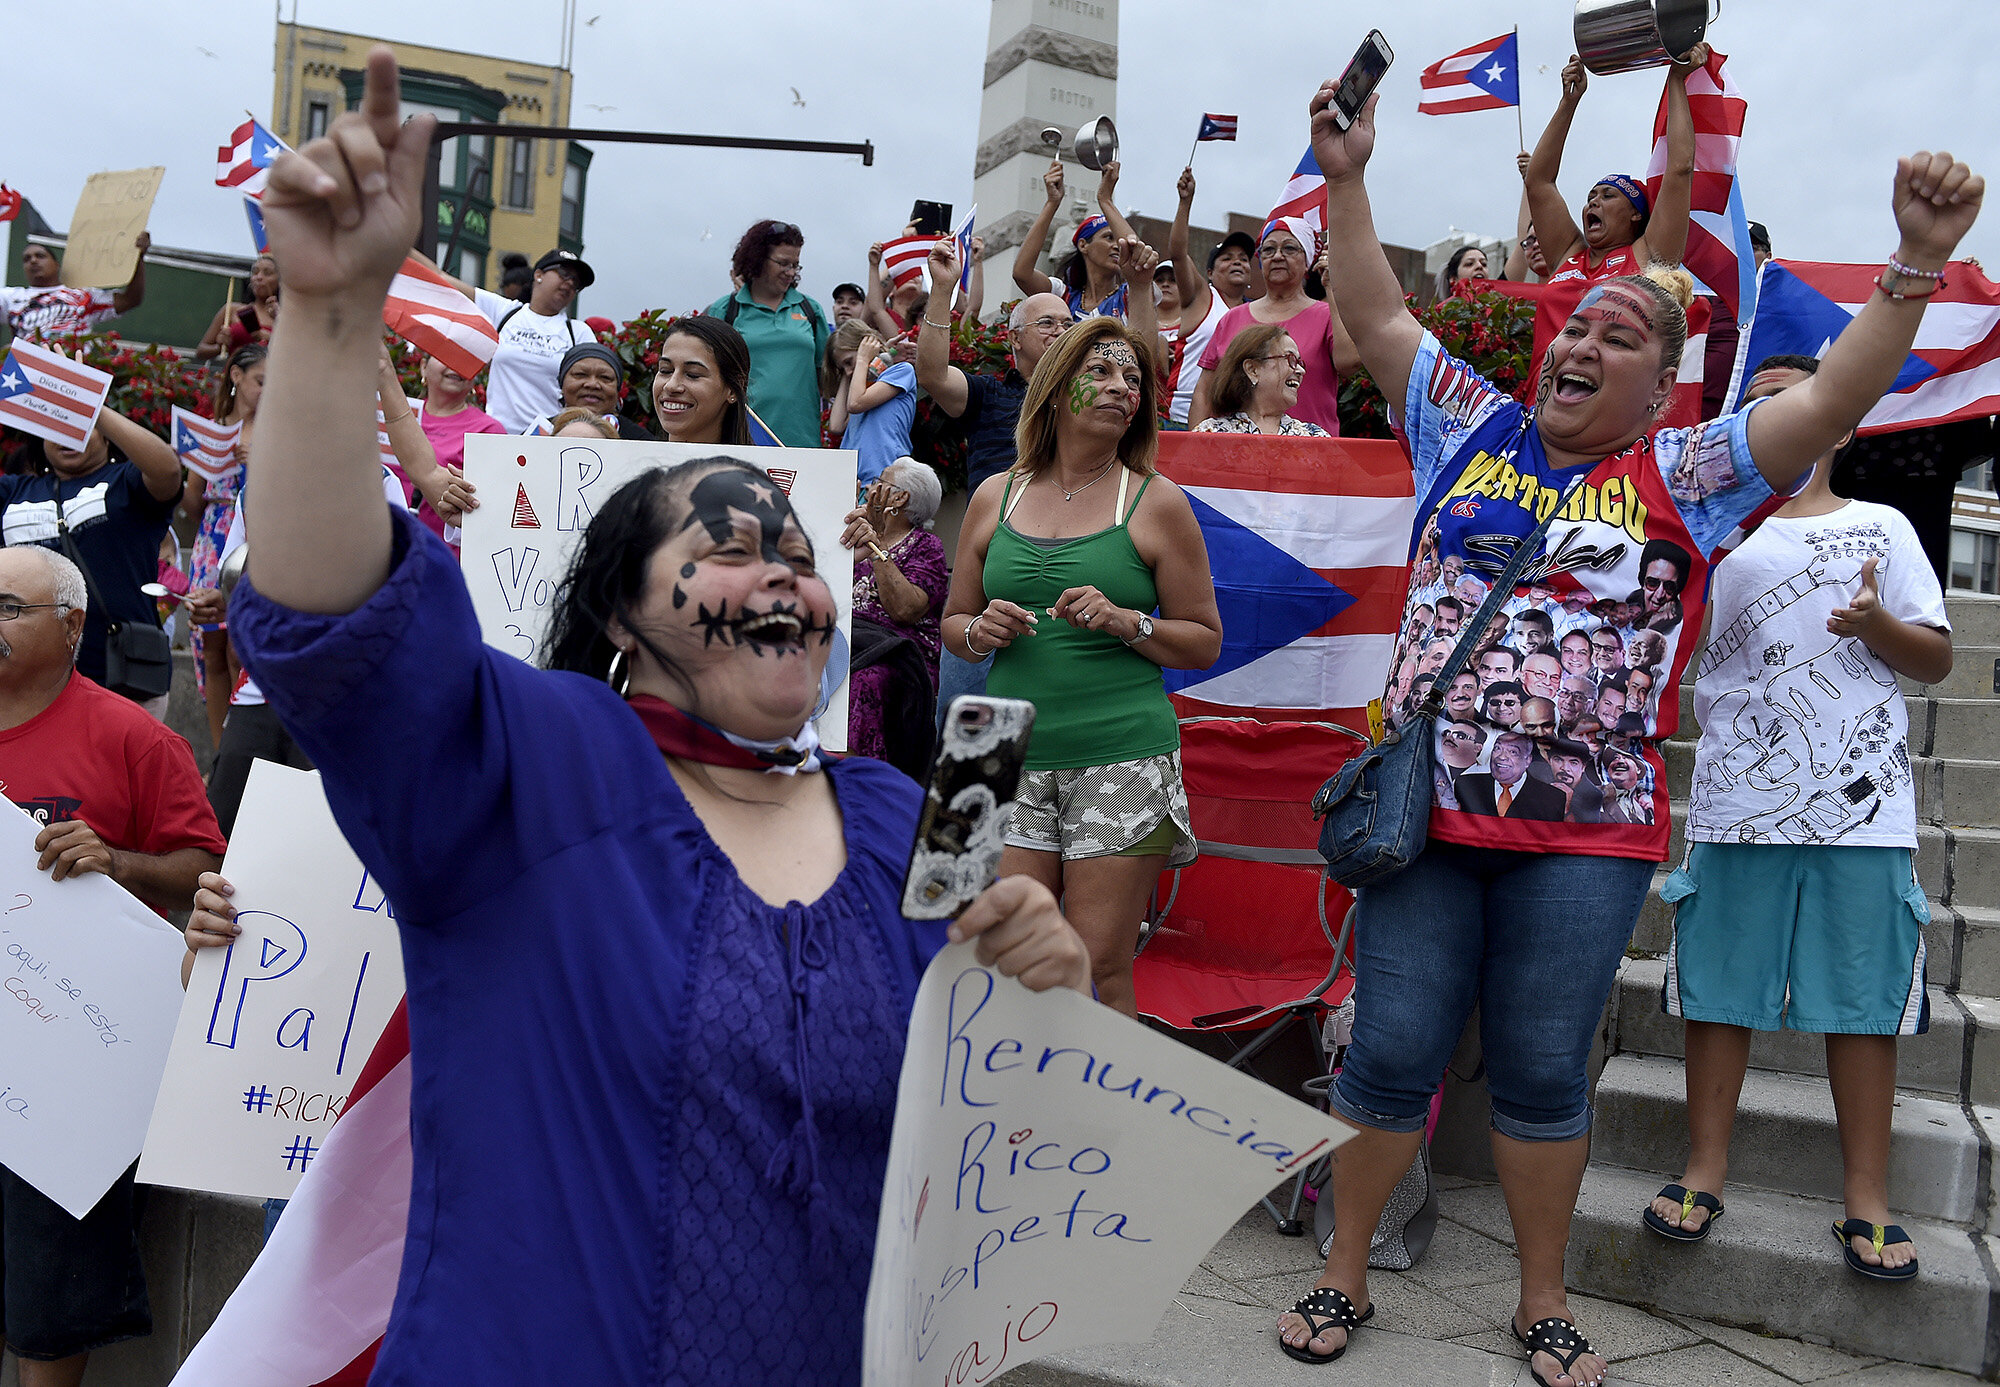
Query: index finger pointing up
{"points": [[382, 97]]}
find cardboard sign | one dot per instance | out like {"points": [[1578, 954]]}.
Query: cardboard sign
{"points": [[90, 984], [277, 1025], [537, 494], [1056, 1173], [109, 216]]}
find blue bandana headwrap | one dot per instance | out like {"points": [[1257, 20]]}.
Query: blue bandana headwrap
{"points": [[1627, 187], [1090, 227]]}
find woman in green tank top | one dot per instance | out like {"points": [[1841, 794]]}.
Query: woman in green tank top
{"points": [[1087, 573]]}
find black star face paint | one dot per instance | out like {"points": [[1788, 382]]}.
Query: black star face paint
{"points": [[725, 498], [782, 628]]}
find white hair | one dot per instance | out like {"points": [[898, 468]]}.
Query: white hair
{"points": [[70, 589], [926, 491], [1018, 319]]}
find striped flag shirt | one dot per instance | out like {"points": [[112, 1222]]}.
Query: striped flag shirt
{"points": [[46, 394]]}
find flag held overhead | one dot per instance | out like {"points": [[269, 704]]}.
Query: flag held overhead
{"points": [[244, 161], [426, 310], [1214, 127]]}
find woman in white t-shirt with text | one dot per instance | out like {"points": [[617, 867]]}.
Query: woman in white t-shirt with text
{"points": [[521, 383]]}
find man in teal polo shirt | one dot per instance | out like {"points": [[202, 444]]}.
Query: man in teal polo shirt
{"points": [[785, 330]]}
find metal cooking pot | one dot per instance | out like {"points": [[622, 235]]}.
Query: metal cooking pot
{"points": [[1626, 35], [232, 569], [1097, 144]]}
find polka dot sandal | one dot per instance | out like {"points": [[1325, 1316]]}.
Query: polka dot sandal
{"points": [[1322, 1309], [1556, 1337]]}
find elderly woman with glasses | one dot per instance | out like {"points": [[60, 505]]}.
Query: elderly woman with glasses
{"points": [[901, 579], [1326, 352], [1256, 386]]}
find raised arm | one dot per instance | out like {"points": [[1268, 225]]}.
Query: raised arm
{"points": [[936, 376], [1136, 263], [1107, 185], [147, 450], [1187, 275], [453, 280], [876, 309], [1554, 227], [1666, 235], [1027, 278], [1516, 268], [134, 292], [342, 214], [1936, 201], [1358, 277]]}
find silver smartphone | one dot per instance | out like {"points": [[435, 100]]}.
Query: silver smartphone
{"points": [[962, 828], [1363, 75]]}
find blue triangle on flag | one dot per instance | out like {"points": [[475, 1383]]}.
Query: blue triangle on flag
{"points": [[1267, 598], [185, 441], [1793, 317]]}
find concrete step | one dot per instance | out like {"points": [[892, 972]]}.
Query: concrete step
{"points": [[1975, 673], [1934, 1063], [1785, 1138], [1965, 729], [1978, 962], [1974, 866], [1975, 620], [1958, 793], [1772, 1266]]}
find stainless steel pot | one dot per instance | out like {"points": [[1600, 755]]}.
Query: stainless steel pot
{"points": [[232, 569], [1097, 144], [1626, 35]]}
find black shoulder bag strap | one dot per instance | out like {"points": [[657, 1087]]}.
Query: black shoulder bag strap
{"points": [[75, 556], [1503, 588]]}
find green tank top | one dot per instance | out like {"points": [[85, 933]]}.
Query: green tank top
{"points": [[1096, 701]]}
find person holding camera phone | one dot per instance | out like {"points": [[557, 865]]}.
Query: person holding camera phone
{"points": [[657, 965], [1528, 919]]}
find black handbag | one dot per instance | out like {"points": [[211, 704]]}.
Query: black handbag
{"points": [[138, 656], [1377, 807]]}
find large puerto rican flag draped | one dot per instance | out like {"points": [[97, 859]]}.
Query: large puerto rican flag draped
{"points": [[1484, 77], [243, 163], [1952, 372], [429, 313], [1718, 247], [46, 394]]}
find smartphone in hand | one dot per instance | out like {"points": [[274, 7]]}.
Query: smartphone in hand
{"points": [[962, 828], [1363, 75]]}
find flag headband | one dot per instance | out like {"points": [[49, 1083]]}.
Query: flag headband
{"points": [[1629, 188], [1089, 227], [1308, 239]]}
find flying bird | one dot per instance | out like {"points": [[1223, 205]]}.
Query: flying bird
{"points": [[592, 20], [797, 100], [203, 51], [591, 106]]}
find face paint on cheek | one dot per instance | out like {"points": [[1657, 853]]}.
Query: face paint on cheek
{"points": [[1082, 394], [1545, 385]]}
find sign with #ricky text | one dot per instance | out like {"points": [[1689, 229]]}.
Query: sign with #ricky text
{"points": [[276, 1025], [110, 214], [88, 993], [537, 494], [1056, 1173]]}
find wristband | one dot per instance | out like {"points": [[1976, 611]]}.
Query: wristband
{"points": [[1911, 272], [1900, 297], [882, 556], [944, 326]]}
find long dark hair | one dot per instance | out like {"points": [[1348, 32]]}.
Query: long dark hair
{"points": [[607, 578], [242, 359], [732, 359]]}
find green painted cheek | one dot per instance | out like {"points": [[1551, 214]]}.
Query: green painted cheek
{"points": [[1082, 395]]}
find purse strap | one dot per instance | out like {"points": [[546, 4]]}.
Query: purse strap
{"points": [[75, 556], [1503, 588]]}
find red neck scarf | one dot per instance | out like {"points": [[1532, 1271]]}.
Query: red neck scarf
{"points": [[679, 733]]}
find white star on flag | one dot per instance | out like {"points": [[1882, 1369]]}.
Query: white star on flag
{"points": [[11, 381], [1495, 73]]}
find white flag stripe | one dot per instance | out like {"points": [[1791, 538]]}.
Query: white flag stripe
{"points": [[479, 340], [1322, 532], [1694, 358], [432, 295], [1464, 62], [1311, 672], [1950, 327], [1937, 397]]}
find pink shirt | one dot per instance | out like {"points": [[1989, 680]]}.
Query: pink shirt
{"points": [[1312, 329], [447, 435]]}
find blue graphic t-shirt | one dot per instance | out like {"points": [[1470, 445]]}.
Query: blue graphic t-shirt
{"points": [[1547, 738]]}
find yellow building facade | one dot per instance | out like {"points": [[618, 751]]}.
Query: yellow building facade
{"points": [[510, 193]]}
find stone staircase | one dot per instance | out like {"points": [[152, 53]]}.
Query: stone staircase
{"points": [[1771, 1264]]}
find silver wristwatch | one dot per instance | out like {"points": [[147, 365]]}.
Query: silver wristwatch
{"points": [[1145, 630]]}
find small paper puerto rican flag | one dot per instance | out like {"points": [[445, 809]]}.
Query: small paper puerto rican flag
{"points": [[202, 445], [46, 394], [904, 257], [1214, 127]]}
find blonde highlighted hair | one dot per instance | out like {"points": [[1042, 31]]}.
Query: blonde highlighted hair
{"points": [[583, 416], [1035, 434], [1671, 289]]}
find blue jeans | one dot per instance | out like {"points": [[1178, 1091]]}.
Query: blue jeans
{"points": [[958, 675], [1533, 939]]}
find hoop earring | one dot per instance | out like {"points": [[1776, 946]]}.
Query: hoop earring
{"points": [[617, 676]]}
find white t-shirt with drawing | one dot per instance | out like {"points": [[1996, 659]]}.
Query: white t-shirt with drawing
{"points": [[1804, 737], [521, 384]]}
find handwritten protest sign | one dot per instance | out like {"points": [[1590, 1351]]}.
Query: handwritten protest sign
{"points": [[110, 214], [1056, 1173], [88, 994], [537, 495], [278, 1024]]}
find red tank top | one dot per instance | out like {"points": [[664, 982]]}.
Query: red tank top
{"points": [[1577, 268]]}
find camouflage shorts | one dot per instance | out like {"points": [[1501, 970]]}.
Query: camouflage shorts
{"points": [[1099, 811]]}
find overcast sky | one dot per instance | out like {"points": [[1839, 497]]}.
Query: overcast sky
{"points": [[1837, 89]]}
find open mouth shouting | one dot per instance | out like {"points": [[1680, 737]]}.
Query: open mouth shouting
{"points": [[781, 629], [1573, 387]]}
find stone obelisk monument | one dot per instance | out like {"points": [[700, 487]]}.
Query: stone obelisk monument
{"points": [[1048, 63]]}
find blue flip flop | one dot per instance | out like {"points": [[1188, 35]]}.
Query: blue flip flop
{"points": [[1690, 1201], [1881, 1234]]}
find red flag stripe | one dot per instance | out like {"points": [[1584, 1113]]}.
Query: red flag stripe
{"points": [[60, 368], [70, 432], [1452, 108]]}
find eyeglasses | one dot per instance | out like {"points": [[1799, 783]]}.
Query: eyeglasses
{"points": [[1273, 252], [1048, 322], [11, 610], [1291, 359]]}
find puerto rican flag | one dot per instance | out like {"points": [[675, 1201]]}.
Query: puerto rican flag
{"points": [[1304, 199], [1952, 371], [1214, 127], [1484, 77], [243, 162], [1718, 251], [47, 394], [904, 257], [10, 203], [202, 445], [428, 312]]}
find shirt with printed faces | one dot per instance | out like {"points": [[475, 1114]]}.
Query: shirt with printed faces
{"points": [[1804, 734], [1660, 508]]}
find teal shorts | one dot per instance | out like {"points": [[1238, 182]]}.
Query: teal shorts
{"points": [[1803, 938]]}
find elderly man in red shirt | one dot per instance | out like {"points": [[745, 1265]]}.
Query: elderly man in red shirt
{"points": [[117, 793]]}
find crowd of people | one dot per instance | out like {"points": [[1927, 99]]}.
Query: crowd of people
{"points": [[733, 950]]}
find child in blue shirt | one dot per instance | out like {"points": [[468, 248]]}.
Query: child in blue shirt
{"points": [[874, 399]]}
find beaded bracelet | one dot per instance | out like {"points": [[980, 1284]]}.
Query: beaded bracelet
{"points": [[1909, 272]]}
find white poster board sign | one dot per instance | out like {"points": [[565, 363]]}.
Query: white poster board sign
{"points": [[277, 1025], [88, 994], [1057, 1172], [537, 494]]}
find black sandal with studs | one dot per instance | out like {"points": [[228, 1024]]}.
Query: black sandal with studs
{"points": [[1325, 1308], [1559, 1339]]}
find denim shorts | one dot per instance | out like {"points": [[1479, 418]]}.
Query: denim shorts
{"points": [[70, 1285], [1534, 939]]}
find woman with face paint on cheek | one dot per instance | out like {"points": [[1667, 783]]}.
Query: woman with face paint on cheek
{"points": [[1088, 574], [655, 955], [1558, 898]]}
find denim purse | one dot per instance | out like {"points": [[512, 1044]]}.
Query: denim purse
{"points": [[1377, 807]]}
